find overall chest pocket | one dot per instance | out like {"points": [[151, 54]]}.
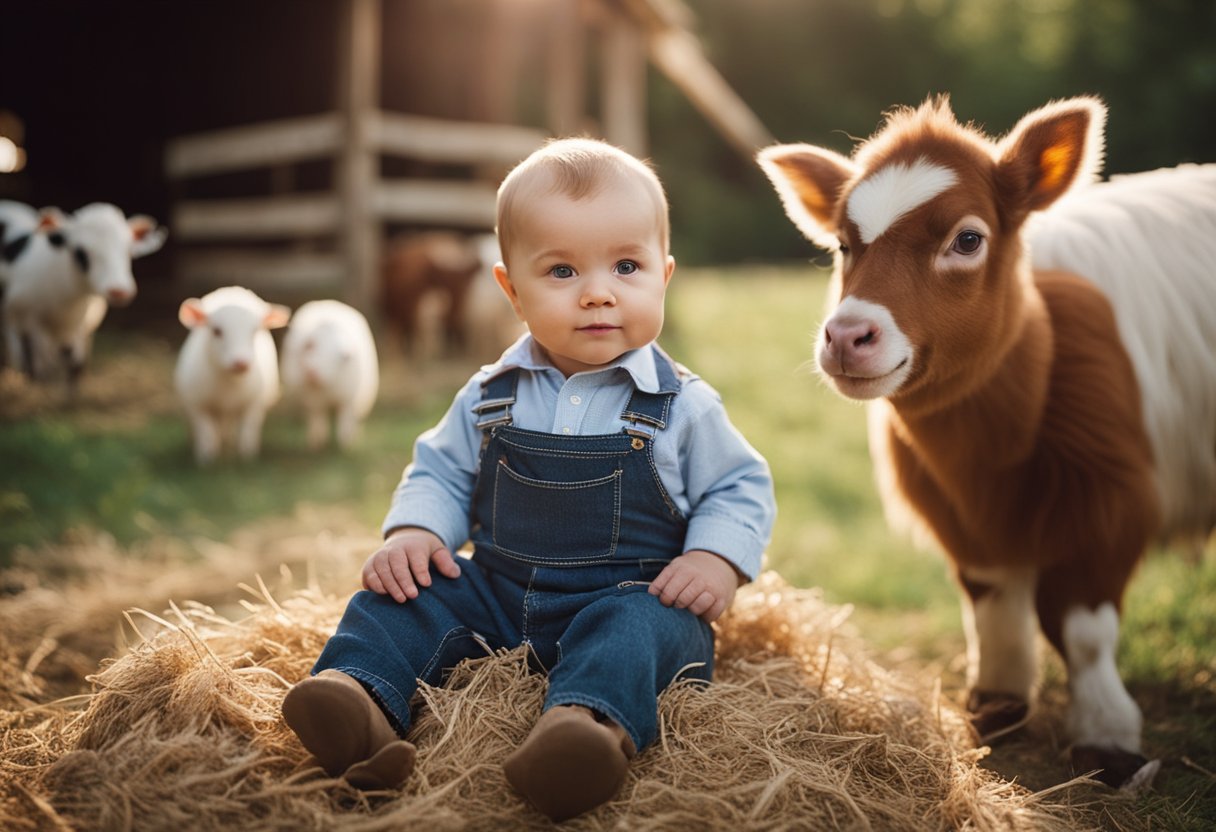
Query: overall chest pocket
{"points": [[556, 523]]}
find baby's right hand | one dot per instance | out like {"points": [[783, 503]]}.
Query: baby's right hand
{"points": [[402, 564]]}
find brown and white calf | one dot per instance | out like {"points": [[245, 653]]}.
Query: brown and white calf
{"points": [[1043, 421]]}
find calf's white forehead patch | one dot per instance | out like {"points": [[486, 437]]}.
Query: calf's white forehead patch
{"points": [[883, 197]]}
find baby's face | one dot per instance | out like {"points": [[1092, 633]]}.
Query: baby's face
{"points": [[588, 276]]}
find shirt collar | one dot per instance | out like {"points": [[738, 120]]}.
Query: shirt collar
{"points": [[526, 354]]}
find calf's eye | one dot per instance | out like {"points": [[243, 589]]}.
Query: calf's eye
{"points": [[967, 242]]}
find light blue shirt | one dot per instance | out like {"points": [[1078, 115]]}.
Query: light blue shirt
{"points": [[720, 483]]}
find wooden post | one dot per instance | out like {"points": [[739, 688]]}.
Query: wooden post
{"points": [[566, 71], [358, 100], [623, 79]]}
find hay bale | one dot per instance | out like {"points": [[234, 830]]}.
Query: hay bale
{"points": [[800, 730]]}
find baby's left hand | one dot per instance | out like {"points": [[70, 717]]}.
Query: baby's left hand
{"points": [[699, 581]]}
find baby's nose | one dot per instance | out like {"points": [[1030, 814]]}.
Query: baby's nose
{"points": [[598, 293]]}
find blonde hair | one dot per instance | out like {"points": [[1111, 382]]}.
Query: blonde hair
{"points": [[577, 168]]}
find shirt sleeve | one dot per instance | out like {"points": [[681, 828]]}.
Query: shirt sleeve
{"points": [[728, 484], [436, 488]]}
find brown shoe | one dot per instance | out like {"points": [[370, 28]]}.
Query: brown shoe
{"points": [[570, 763], [338, 721]]}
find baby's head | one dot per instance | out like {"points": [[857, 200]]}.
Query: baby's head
{"points": [[577, 168], [583, 231]]}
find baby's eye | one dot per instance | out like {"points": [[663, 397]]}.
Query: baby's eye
{"points": [[626, 267], [562, 272]]}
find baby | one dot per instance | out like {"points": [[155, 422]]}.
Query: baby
{"points": [[612, 507]]}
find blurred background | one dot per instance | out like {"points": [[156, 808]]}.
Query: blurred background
{"points": [[341, 148], [156, 106]]}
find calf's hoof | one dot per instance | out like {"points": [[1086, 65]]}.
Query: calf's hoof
{"points": [[1124, 770], [994, 714]]}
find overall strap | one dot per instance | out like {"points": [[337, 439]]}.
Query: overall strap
{"points": [[647, 413], [497, 396]]}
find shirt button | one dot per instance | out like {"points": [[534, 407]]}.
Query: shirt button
{"points": [[576, 400], [565, 430]]}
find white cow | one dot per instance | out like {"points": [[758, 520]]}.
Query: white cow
{"points": [[227, 373], [17, 221], [330, 365], [60, 276]]}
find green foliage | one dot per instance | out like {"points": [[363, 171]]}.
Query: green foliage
{"points": [[825, 72]]}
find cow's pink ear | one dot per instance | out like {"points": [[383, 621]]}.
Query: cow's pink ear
{"points": [[809, 181], [276, 316], [191, 313], [50, 219], [146, 235]]}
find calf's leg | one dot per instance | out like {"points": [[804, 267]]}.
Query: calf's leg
{"points": [[1104, 721], [1002, 662], [347, 426], [206, 438], [317, 417], [249, 433]]}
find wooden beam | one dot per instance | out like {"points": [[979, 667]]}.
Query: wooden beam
{"points": [[274, 143], [678, 55], [257, 145], [263, 271], [442, 202], [424, 201], [444, 140], [255, 218]]}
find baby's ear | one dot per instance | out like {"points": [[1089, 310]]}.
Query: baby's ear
{"points": [[508, 289]]}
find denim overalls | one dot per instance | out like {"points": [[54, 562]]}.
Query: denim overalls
{"points": [[568, 531]]}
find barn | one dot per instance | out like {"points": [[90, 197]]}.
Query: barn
{"points": [[286, 170]]}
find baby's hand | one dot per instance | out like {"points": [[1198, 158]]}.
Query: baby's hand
{"points": [[699, 581], [402, 564]]}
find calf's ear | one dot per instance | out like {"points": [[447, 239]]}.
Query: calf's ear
{"points": [[191, 313], [51, 219], [276, 316], [1051, 150], [809, 181], [146, 235]]}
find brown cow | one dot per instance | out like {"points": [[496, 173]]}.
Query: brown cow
{"points": [[1007, 416], [416, 265]]}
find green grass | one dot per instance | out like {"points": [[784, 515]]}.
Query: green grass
{"points": [[121, 462], [124, 464], [146, 483]]}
